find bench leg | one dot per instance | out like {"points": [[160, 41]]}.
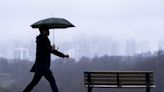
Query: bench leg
{"points": [[147, 89], [147, 82], [89, 89]]}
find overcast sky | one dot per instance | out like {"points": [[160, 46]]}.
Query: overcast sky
{"points": [[116, 19]]}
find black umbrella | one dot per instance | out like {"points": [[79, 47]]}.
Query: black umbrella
{"points": [[53, 23]]}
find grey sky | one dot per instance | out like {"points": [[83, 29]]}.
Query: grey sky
{"points": [[116, 19]]}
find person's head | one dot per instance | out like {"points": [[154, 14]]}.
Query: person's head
{"points": [[44, 30]]}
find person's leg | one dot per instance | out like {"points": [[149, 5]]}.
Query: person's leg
{"points": [[34, 81], [48, 75]]}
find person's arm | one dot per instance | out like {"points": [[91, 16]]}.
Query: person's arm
{"points": [[59, 54]]}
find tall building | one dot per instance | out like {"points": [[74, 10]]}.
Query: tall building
{"points": [[114, 48], [21, 53], [143, 47], [131, 47], [161, 44]]}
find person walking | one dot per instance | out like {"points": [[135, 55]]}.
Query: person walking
{"points": [[41, 66]]}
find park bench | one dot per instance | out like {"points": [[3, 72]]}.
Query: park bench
{"points": [[119, 79]]}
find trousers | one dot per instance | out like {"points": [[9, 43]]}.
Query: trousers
{"points": [[37, 76]]}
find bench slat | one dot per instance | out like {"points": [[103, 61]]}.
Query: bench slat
{"points": [[124, 86]]}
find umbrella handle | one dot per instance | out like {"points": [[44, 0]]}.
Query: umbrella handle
{"points": [[55, 47], [53, 38]]}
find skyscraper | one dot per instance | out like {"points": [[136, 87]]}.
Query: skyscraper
{"points": [[114, 48], [21, 53], [131, 47]]}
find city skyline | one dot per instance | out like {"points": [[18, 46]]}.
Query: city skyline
{"points": [[94, 47]]}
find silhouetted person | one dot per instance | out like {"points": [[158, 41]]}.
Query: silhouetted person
{"points": [[42, 63]]}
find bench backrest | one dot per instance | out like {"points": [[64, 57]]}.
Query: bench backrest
{"points": [[119, 79]]}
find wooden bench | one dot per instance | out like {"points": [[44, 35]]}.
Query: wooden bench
{"points": [[121, 79]]}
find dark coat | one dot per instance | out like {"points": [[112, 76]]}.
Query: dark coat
{"points": [[43, 54]]}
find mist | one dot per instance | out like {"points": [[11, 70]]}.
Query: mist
{"points": [[119, 21], [109, 35]]}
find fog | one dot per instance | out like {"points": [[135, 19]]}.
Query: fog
{"points": [[112, 20], [110, 35]]}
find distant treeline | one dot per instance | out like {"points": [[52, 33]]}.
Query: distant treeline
{"points": [[69, 72]]}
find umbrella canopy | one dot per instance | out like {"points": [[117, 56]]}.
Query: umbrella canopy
{"points": [[53, 23]]}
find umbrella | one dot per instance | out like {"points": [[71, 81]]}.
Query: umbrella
{"points": [[53, 23]]}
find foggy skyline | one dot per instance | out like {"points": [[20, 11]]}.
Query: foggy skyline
{"points": [[118, 20], [78, 48]]}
